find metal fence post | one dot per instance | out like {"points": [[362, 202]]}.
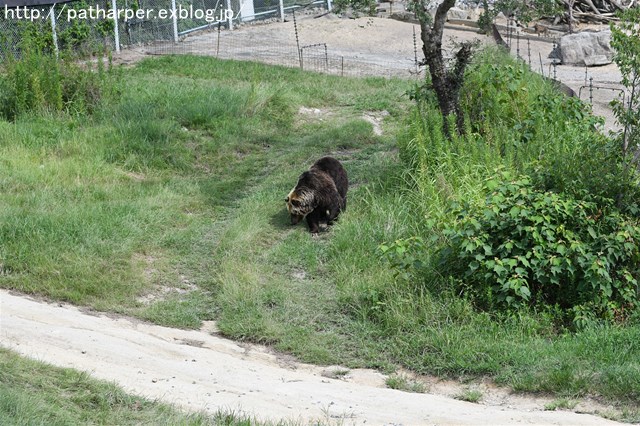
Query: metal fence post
{"points": [[281, 3], [230, 19], [53, 29], [415, 50], [175, 20], [116, 31], [295, 28]]}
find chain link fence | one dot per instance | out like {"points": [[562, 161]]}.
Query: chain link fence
{"points": [[238, 45], [274, 48], [88, 27]]}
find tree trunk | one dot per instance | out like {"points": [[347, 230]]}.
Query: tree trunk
{"points": [[446, 83]]}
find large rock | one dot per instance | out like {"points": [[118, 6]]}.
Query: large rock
{"points": [[457, 13], [586, 48]]}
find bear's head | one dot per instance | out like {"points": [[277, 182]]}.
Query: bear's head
{"points": [[300, 203]]}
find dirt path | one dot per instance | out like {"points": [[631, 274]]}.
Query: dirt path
{"points": [[200, 371]]}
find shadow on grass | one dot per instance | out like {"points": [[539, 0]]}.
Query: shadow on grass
{"points": [[281, 220]]}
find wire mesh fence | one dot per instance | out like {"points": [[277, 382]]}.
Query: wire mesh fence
{"points": [[201, 27], [244, 44], [78, 25], [53, 28]]}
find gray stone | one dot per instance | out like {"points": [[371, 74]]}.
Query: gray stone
{"points": [[586, 48], [457, 13]]}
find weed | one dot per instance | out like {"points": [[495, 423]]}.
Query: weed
{"points": [[404, 383], [469, 395], [561, 404]]}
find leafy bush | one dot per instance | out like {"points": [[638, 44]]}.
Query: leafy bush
{"points": [[403, 256], [523, 246], [366, 7]]}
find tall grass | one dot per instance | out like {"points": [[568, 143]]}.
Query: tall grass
{"points": [[515, 121], [39, 81]]}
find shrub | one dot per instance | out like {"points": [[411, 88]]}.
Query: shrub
{"points": [[365, 7], [38, 81], [523, 246]]}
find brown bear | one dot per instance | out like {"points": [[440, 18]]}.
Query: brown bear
{"points": [[320, 194]]}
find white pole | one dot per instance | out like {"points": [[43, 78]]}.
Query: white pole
{"points": [[116, 31], [52, 12], [230, 15], [175, 20], [281, 2], [329, 5]]}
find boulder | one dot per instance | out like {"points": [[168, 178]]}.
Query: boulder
{"points": [[457, 13], [586, 48]]}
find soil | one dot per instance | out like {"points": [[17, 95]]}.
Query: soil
{"points": [[201, 371]]}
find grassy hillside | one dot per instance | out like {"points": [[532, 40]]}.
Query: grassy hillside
{"points": [[168, 204]]}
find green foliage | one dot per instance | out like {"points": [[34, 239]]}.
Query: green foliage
{"points": [[38, 81], [485, 20], [525, 246], [101, 213], [625, 40], [537, 130], [366, 7], [404, 256], [526, 10]]}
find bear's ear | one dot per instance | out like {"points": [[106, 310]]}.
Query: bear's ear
{"points": [[286, 200]]}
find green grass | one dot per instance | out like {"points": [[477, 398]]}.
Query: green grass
{"points": [[469, 395], [180, 184], [404, 383], [561, 404]]}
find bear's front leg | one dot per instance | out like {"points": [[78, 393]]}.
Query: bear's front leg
{"points": [[313, 220], [314, 227]]}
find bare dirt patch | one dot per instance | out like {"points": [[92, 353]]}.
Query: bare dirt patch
{"points": [[159, 291]]}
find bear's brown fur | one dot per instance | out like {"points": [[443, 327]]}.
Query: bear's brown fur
{"points": [[320, 194]]}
